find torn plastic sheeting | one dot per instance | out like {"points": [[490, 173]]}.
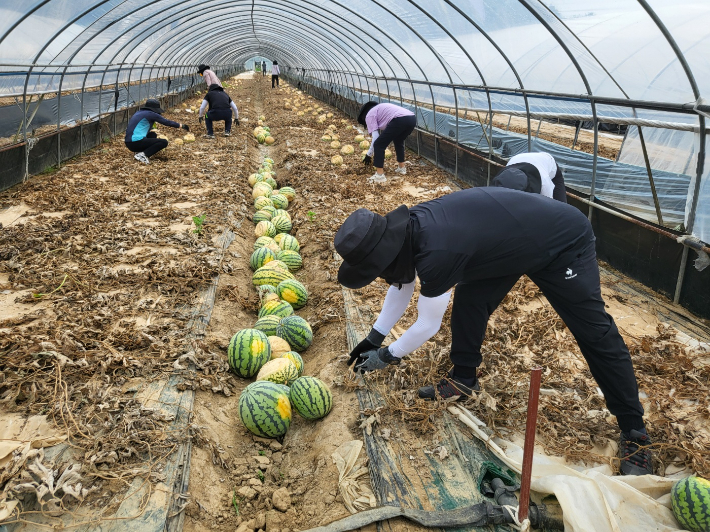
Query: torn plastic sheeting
{"points": [[355, 490]]}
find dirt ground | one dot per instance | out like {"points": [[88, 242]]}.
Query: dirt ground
{"points": [[102, 262]]}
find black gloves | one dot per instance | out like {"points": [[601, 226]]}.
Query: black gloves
{"points": [[376, 359], [185, 127], [200, 119], [367, 160], [236, 121], [373, 341]]}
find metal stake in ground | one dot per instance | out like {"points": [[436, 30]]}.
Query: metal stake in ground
{"points": [[530, 426]]}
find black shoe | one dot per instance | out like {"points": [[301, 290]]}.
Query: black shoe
{"points": [[634, 459], [451, 387]]}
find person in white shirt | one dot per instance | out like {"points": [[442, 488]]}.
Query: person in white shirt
{"points": [[533, 172], [275, 74]]}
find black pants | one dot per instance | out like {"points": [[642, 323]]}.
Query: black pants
{"points": [[397, 132], [218, 115], [573, 289], [150, 145], [263, 72], [559, 192], [274, 80]]}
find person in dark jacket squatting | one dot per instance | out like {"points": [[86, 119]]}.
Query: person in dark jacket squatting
{"points": [[139, 137], [386, 123], [482, 240], [220, 109]]}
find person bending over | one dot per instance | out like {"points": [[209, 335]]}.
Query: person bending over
{"points": [[139, 137], [220, 109]]}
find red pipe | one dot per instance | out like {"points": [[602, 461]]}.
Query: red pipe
{"points": [[529, 446]]}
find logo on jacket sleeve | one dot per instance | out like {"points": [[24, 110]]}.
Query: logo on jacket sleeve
{"points": [[569, 274]]}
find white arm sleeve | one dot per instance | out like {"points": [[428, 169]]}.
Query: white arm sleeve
{"points": [[431, 311], [234, 108], [375, 134], [202, 108], [396, 302]]}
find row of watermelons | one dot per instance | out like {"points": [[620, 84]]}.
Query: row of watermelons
{"points": [[270, 350]]}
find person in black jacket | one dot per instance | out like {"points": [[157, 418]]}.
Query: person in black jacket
{"points": [[481, 241], [220, 109], [140, 138]]}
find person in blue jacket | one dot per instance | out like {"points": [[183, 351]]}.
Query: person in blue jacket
{"points": [[139, 137]]}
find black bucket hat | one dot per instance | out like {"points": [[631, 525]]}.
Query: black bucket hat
{"points": [[368, 243], [202, 68], [153, 105], [521, 176], [363, 112]]}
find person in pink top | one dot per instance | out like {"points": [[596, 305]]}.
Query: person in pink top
{"points": [[386, 123], [209, 76]]}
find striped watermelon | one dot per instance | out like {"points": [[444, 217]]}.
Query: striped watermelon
{"points": [[261, 216], [291, 259], [293, 292], [279, 347], [265, 228], [277, 308], [265, 409], [283, 212], [690, 500], [271, 276], [263, 241], [261, 189], [270, 209], [289, 242], [296, 331], [295, 358], [280, 201], [252, 179], [268, 324], [268, 298], [279, 237], [260, 257], [280, 370], [289, 192], [271, 181], [311, 397], [276, 265], [248, 350], [261, 202], [266, 289], [281, 224]]}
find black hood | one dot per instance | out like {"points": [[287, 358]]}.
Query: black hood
{"points": [[215, 87]]}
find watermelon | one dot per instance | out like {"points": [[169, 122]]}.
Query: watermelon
{"points": [[295, 358], [265, 228], [261, 189], [276, 265], [279, 200], [261, 216], [281, 224], [288, 242], [268, 324], [248, 350], [690, 500], [270, 297], [263, 241], [283, 212], [272, 276], [279, 347], [311, 397], [266, 289], [252, 179], [265, 409], [271, 181], [270, 209], [289, 192], [279, 237], [296, 331], [260, 257], [280, 370], [261, 202], [277, 308], [291, 259], [293, 292]]}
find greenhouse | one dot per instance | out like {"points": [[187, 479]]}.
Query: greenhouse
{"points": [[204, 321]]}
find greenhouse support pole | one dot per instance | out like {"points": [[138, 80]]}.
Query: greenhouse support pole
{"points": [[59, 119], [693, 207], [576, 134], [593, 186], [650, 175], [436, 139], [456, 153], [81, 115], [490, 140]]}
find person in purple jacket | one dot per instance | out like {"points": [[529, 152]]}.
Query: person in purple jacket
{"points": [[386, 123], [139, 137]]}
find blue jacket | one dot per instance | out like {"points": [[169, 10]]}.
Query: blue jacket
{"points": [[141, 123]]}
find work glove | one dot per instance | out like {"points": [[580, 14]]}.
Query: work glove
{"points": [[372, 341], [185, 127], [376, 359], [200, 119], [367, 160], [236, 121]]}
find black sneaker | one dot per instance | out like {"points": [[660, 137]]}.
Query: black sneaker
{"points": [[451, 387], [635, 459]]}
